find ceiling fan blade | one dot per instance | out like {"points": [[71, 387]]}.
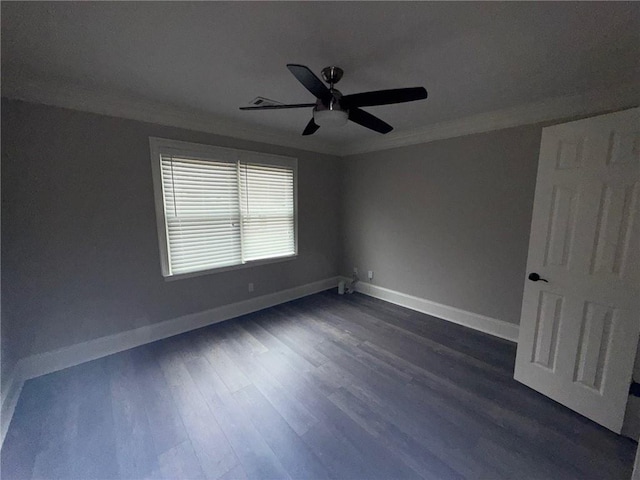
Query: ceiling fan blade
{"points": [[277, 107], [383, 97], [311, 128], [312, 83], [367, 120]]}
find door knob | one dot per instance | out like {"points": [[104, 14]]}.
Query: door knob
{"points": [[534, 277]]}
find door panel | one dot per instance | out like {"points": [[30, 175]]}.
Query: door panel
{"points": [[579, 331], [562, 223], [547, 324], [594, 344], [613, 230]]}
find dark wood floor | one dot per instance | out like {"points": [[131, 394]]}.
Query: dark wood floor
{"points": [[329, 386]]}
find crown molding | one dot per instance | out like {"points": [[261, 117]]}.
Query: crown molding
{"points": [[554, 109], [66, 95]]}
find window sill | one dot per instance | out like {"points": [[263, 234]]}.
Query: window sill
{"points": [[254, 263]]}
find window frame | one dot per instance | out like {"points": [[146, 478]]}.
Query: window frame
{"points": [[162, 146]]}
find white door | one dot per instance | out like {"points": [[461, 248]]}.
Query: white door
{"points": [[579, 330]]}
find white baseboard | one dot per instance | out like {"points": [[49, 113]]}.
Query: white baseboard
{"points": [[43, 363], [492, 326], [10, 395]]}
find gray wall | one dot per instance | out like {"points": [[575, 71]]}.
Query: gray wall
{"points": [[80, 256], [447, 221]]}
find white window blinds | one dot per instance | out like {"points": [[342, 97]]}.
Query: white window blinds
{"points": [[202, 212], [218, 212], [266, 204]]}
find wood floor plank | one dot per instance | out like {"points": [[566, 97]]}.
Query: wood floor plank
{"points": [[301, 386], [329, 377], [256, 457], [294, 413], [476, 429], [236, 473], [165, 424], [521, 421], [492, 350], [411, 451], [55, 457], [136, 457], [299, 461], [375, 328], [94, 444], [326, 386], [275, 344], [241, 335], [310, 320], [224, 366], [298, 339], [451, 443], [181, 461], [339, 456], [210, 444], [459, 426]]}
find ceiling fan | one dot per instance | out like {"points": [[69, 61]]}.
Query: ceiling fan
{"points": [[331, 108]]}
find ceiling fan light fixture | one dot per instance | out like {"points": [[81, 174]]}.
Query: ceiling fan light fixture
{"points": [[330, 118]]}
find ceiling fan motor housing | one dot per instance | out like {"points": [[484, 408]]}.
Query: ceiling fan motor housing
{"points": [[334, 103]]}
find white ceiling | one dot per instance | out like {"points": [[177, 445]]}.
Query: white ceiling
{"points": [[216, 56]]}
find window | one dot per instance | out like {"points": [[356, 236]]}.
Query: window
{"points": [[219, 208]]}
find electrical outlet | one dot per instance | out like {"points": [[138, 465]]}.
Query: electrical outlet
{"points": [[355, 270], [251, 287], [370, 274]]}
